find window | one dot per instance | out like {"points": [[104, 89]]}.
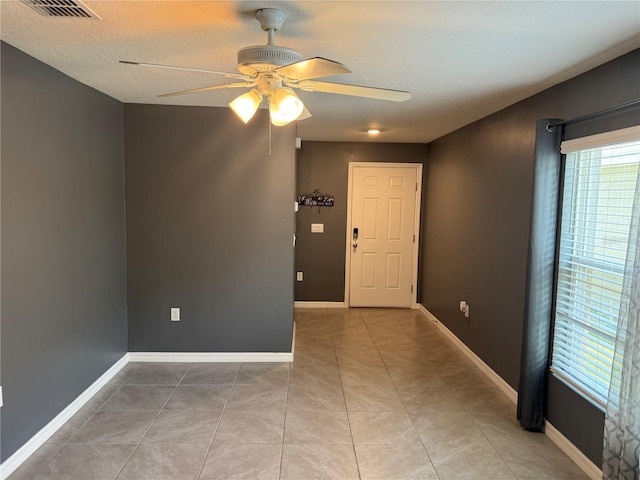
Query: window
{"points": [[601, 172]]}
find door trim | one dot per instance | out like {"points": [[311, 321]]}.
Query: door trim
{"points": [[416, 226]]}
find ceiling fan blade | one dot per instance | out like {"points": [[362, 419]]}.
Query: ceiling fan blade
{"points": [[312, 68], [188, 69], [355, 90], [206, 89]]}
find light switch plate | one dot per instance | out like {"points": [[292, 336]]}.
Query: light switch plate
{"points": [[317, 228], [175, 314]]}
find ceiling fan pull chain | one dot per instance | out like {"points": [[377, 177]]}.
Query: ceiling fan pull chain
{"points": [[269, 120]]}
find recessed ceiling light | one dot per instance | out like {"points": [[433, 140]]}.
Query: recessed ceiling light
{"points": [[373, 131]]}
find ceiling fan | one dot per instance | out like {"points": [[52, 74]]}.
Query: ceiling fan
{"points": [[273, 71]]}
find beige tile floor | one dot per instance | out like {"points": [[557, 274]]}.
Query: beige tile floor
{"points": [[372, 394]]}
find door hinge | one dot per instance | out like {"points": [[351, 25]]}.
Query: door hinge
{"points": [[411, 288], [414, 238], [416, 186]]}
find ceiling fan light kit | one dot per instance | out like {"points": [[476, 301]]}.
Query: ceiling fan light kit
{"points": [[246, 105], [273, 71], [284, 107]]}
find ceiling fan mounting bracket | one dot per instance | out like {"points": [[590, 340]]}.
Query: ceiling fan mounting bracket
{"points": [[270, 18]]}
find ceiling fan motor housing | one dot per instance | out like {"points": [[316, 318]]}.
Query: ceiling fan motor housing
{"points": [[264, 58]]}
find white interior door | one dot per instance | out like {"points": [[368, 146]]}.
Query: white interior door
{"points": [[384, 204]]}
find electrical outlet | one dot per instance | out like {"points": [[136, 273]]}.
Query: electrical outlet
{"points": [[299, 276], [175, 314]]}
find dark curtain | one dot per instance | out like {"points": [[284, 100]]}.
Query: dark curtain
{"points": [[540, 276]]}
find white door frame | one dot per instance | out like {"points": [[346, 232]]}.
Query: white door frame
{"points": [[416, 226]]}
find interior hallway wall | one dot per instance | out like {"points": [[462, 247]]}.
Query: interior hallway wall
{"points": [[64, 311], [475, 235]]}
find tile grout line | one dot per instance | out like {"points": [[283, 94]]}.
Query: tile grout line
{"points": [[424, 447], [346, 409], [152, 422], [375, 344], [284, 422], [64, 444], [215, 431], [39, 471], [473, 418]]}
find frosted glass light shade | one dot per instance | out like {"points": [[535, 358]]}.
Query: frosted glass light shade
{"points": [[246, 105], [277, 118], [284, 107]]}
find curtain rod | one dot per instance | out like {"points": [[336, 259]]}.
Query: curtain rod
{"points": [[591, 116]]}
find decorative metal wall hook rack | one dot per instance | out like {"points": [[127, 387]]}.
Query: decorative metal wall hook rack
{"points": [[315, 199]]}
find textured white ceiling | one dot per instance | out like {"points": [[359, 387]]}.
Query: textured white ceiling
{"points": [[461, 60]]}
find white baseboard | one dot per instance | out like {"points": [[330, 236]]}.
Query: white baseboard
{"points": [[573, 452], [320, 305], [499, 382], [562, 442], [35, 442], [195, 357]]}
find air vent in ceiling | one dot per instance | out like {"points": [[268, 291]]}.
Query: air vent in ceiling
{"points": [[61, 8]]}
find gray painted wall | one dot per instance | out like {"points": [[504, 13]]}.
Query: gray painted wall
{"points": [[325, 166], [475, 235], [210, 227], [64, 318]]}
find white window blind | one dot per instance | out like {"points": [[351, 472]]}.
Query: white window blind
{"points": [[600, 180]]}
